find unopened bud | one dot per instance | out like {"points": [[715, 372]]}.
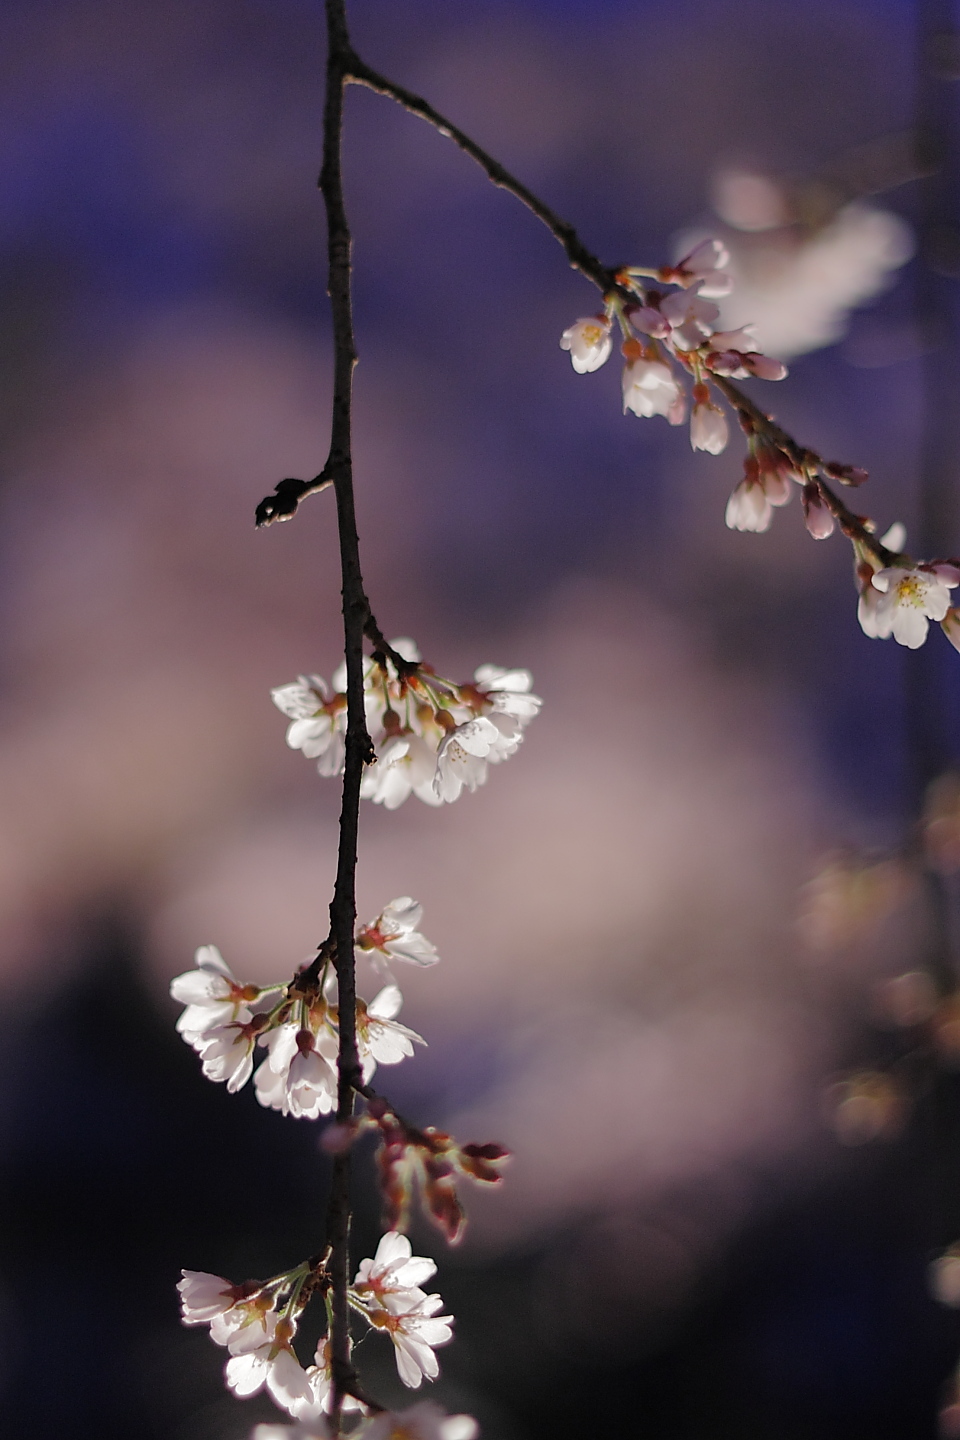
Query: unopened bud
{"points": [[816, 516], [847, 474], [487, 1152]]}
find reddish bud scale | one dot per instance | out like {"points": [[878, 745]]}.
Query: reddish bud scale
{"points": [[486, 1152]]}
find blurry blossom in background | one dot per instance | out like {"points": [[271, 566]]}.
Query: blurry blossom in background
{"points": [[627, 997]]}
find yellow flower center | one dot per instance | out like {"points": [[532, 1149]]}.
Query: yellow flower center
{"points": [[910, 591]]}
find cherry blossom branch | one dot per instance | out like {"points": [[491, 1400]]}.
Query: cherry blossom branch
{"points": [[359, 748]]}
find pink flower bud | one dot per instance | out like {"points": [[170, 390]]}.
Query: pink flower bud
{"points": [[846, 474], [708, 429], [816, 516], [764, 367]]}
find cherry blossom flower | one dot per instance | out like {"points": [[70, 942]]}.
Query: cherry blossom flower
{"points": [[380, 1038], [394, 934], [226, 1053], [763, 486], [896, 537], [704, 266], [508, 691], [589, 343], [649, 388], [392, 1279], [708, 424], [264, 1356], [908, 600], [649, 320], [207, 1299], [463, 756], [299, 1076], [319, 721], [212, 996], [405, 766], [689, 316], [415, 1333], [868, 606], [424, 1421]]}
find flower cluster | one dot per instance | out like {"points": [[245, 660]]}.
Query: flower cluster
{"points": [[433, 737], [667, 333], [256, 1322], [434, 1161], [387, 1293], [259, 1338], [298, 1023], [298, 1026]]}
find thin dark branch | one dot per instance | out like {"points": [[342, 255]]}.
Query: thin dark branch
{"points": [[383, 650], [606, 279], [359, 73], [359, 749]]}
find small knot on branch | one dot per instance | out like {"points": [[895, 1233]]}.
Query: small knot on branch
{"points": [[287, 496]]}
